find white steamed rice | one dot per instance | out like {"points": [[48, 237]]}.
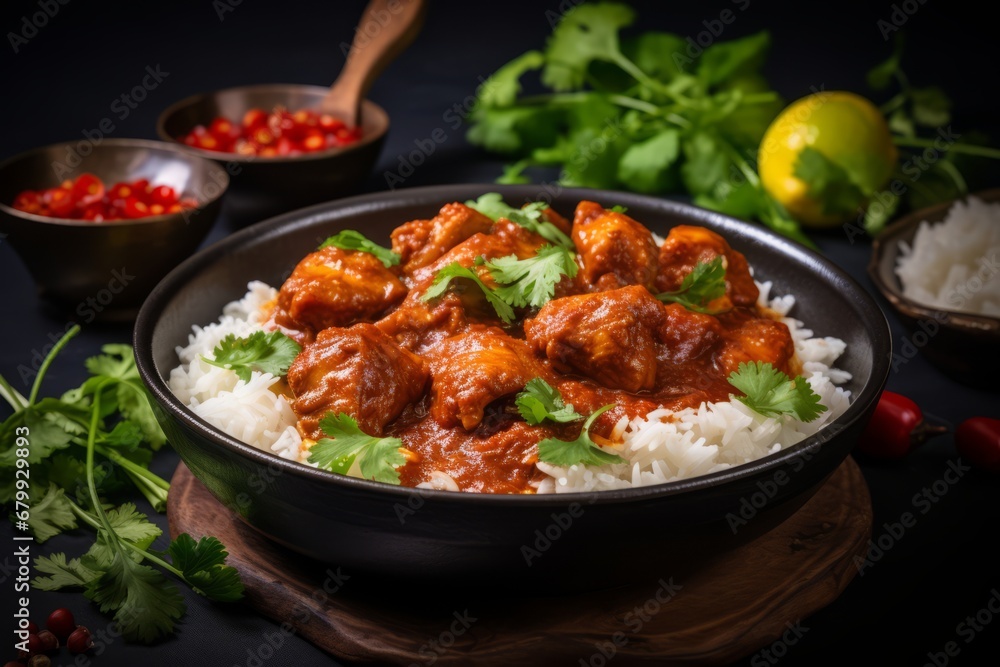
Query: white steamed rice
{"points": [[661, 447], [953, 264]]}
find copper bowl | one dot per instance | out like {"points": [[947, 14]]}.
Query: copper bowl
{"points": [[104, 270], [291, 180], [963, 345]]}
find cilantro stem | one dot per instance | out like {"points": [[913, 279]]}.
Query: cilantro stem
{"points": [[893, 104], [89, 519], [636, 73], [968, 149], [11, 395], [56, 349], [638, 105], [95, 500], [129, 465], [952, 171]]}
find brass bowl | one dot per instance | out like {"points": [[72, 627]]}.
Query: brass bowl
{"points": [[963, 345], [104, 270], [292, 180]]}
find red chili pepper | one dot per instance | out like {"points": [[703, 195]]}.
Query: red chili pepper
{"points": [[895, 428], [978, 439]]}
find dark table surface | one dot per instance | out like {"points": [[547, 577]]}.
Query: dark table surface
{"points": [[62, 79]]}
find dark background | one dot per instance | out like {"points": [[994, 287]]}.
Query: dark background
{"points": [[64, 80]]}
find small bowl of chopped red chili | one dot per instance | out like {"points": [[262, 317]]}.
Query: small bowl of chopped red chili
{"points": [[98, 226], [274, 139]]}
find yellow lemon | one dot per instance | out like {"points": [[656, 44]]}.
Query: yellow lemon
{"points": [[847, 129]]}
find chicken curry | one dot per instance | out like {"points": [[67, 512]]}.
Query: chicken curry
{"points": [[439, 368]]}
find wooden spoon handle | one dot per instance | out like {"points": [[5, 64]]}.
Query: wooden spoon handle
{"points": [[386, 28]]}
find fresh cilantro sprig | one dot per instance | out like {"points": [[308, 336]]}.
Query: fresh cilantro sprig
{"points": [[769, 392], [582, 450], [705, 284], [539, 401], [377, 458], [444, 277], [680, 121], [349, 239], [494, 207], [532, 281], [68, 488], [520, 282], [266, 352]]}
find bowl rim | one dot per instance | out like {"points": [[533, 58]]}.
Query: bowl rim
{"points": [[218, 156], [162, 294], [886, 245], [119, 142]]}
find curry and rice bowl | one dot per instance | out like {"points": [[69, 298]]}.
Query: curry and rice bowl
{"points": [[502, 350]]}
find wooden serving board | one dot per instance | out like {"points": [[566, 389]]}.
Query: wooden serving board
{"points": [[730, 608]]}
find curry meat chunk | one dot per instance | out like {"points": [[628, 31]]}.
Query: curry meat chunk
{"points": [[417, 325], [505, 238], [757, 339], [420, 242], [471, 370], [686, 246], [334, 288], [687, 335], [609, 337], [359, 371], [614, 249]]}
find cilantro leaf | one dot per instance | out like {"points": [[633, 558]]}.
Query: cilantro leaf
{"points": [[204, 566], [51, 515], [443, 279], [501, 89], [264, 352], [723, 60], [349, 239], [879, 76], [586, 33], [931, 106], [128, 524], [645, 165], [582, 450], [540, 401], [145, 603], [828, 182], [118, 364], [706, 165], [378, 458], [494, 207], [705, 284], [518, 129], [769, 392], [62, 574], [532, 281]]}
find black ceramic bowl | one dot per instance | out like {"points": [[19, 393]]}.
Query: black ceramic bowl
{"points": [[577, 540], [298, 179], [105, 269]]}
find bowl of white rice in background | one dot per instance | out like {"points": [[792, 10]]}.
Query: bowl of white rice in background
{"points": [[696, 484], [939, 268]]}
